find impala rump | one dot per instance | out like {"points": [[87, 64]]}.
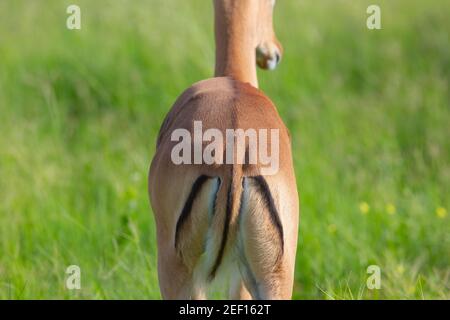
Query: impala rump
{"points": [[245, 206]]}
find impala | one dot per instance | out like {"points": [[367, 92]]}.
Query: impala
{"points": [[221, 219]]}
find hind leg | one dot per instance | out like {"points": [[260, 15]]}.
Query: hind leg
{"points": [[179, 263], [175, 280], [238, 290], [273, 284], [268, 232]]}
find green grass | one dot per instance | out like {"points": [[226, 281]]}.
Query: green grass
{"points": [[79, 112]]}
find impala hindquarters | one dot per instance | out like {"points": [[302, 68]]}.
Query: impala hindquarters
{"points": [[213, 217]]}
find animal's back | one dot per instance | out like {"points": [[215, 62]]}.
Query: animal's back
{"points": [[222, 103], [210, 233]]}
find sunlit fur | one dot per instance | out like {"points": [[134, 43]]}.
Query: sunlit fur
{"points": [[236, 222]]}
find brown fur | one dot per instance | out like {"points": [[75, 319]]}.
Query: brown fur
{"points": [[249, 234]]}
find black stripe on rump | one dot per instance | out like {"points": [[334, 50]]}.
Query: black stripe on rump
{"points": [[196, 188], [264, 190], [226, 226]]}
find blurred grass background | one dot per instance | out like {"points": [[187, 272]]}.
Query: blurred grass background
{"points": [[79, 112]]}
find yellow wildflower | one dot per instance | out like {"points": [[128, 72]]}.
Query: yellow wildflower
{"points": [[400, 269], [364, 207], [441, 212], [390, 209]]}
